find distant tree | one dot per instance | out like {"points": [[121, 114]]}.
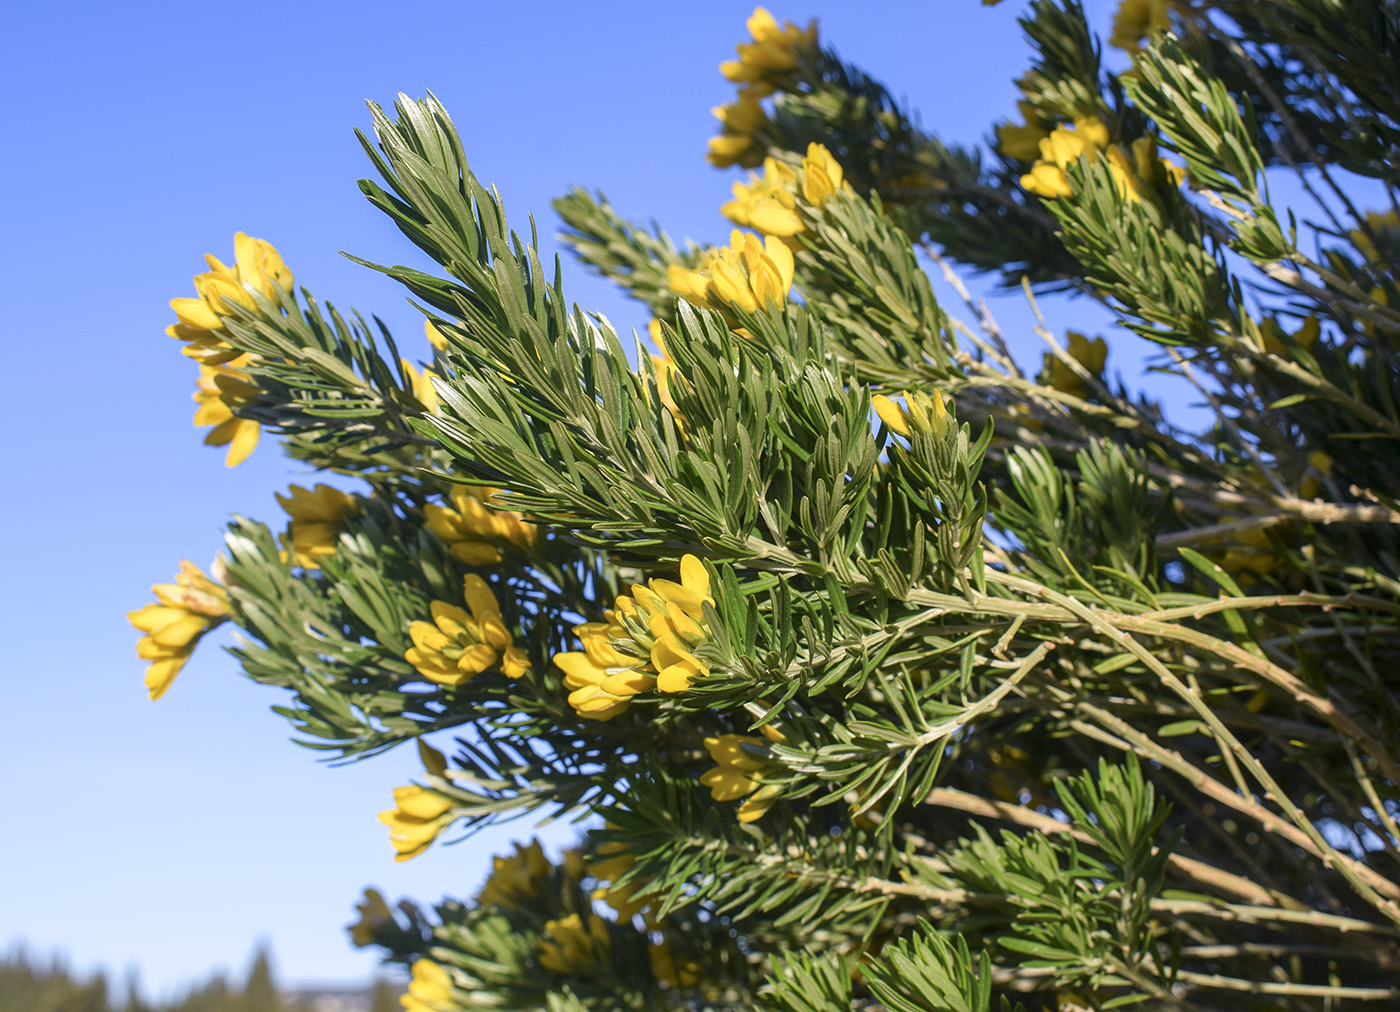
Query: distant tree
{"points": [[260, 993], [26, 987], [383, 997], [214, 996]]}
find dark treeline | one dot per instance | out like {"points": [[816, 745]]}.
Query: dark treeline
{"points": [[37, 985]]}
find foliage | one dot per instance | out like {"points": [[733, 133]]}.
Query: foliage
{"points": [[27, 985], [893, 673]]}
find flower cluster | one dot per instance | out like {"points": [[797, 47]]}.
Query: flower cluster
{"points": [[1090, 354], [765, 65], [571, 947], [746, 273], [737, 777], [257, 267], [1135, 173], [516, 878], [419, 814], [317, 516], [475, 529], [1138, 19], [645, 642], [374, 914], [429, 989], [459, 644], [1023, 142], [220, 389], [187, 609], [768, 204], [738, 143], [920, 413], [222, 385]]}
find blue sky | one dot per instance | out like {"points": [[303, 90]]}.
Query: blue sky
{"points": [[170, 836]]}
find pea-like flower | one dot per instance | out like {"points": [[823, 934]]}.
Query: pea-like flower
{"points": [[317, 517], [1058, 149], [220, 389], [769, 203], [670, 972], [1023, 142], [475, 527], [646, 642], [614, 860], [822, 175], [435, 337], [747, 273], [738, 144], [459, 644], [571, 947], [920, 412], [429, 989], [257, 266], [374, 913], [516, 878], [420, 384], [187, 609], [1090, 354], [419, 815], [1138, 19], [1305, 336], [737, 775], [774, 53]]}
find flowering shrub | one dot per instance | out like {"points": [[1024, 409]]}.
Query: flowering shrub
{"points": [[892, 672]]}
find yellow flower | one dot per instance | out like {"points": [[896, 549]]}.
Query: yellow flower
{"points": [[461, 643], [1136, 19], [645, 643], [665, 369], [1022, 142], [257, 266], [773, 53], [1090, 354], [1385, 227], [220, 389], [668, 973], [516, 878], [317, 516], [615, 860], [735, 778], [1319, 467], [742, 119], [746, 273], [187, 609], [429, 990], [416, 819], [920, 412], [569, 947], [374, 913], [1058, 149], [1306, 335], [767, 204], [822, 175], [435, 337], [473, 529], [421, 383]]}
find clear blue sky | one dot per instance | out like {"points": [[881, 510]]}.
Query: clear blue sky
{"points": [[170, 836]]}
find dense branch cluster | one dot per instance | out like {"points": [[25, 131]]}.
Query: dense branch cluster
{"points": [[892, 672]]}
